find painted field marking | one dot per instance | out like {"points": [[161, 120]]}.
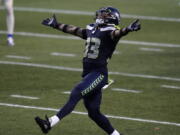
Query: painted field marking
{"points": [[154, 18], [170, 86], [85, 113], [151, 49], [26, 97], [149, 43], [80, 70], [29, 34], [126, 90], [63, 54], [18, 57], [76, 12], [67, 92], [117, 52]]}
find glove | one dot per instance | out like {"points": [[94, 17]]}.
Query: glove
{"points": [[134, 26], [51, 22]]}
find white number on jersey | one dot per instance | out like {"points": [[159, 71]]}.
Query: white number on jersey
{"points": [[92, 48]]}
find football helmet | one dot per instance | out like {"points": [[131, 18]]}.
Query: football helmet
{"points": [[107, 15]]}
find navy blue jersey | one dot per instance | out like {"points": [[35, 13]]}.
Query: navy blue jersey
{"points": [[99, 48]]}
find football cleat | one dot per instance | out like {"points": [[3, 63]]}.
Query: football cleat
{"points": [[10, 41], [43, 124], [110, 81]]}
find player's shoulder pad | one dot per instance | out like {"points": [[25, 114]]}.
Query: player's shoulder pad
{"points": [[108, 28], [90, 26]]}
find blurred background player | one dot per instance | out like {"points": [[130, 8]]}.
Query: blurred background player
{"points": [[9, 21], [101, 39]]}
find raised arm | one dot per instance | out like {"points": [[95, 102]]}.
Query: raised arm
{"points": [[74, 30], [134, 26]]}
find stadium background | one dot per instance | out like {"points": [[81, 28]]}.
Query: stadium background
{"points": [[146, 63]]}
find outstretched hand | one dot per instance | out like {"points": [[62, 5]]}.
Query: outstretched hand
{"points": [[51, 22], [134, 26]]}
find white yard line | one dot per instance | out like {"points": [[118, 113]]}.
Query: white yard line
{"points": [[18, 57], [29, 34], [76, 12], [149, 43], [66, 92], [63, 54], [26, 97], [85, 113], [80, 70], [154, 18], [145, 76], [151, 49], [117, 52], [58, 11], [170, 86], [126, 90]]}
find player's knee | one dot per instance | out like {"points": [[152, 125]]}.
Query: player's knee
{"points": [[9, 10], [75, 94], [79, 88], [93, 114], [9, 7]]}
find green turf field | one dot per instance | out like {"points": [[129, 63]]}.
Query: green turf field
{"points": [[147, 63]]}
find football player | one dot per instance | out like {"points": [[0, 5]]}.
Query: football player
{"points": [[9, 21], [101, 39]]}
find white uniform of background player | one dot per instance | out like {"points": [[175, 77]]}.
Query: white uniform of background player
{"points": [[9, 21]]}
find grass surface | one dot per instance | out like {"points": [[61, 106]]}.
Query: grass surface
{"points": [[153, 103]]}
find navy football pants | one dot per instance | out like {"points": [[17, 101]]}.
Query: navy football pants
{"points": [[89, 89]]}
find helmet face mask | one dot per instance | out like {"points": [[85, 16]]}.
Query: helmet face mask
{"points": [[107, 15]]}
